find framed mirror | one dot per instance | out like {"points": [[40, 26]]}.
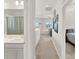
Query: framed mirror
{"points": [[15, 25]]}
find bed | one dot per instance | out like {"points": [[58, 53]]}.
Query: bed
{"points": [[70, 36]]}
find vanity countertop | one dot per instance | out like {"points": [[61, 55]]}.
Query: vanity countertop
{"points": [[14, 39]]}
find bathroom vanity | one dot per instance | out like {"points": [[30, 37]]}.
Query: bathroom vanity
{"points": [[13, 45]]}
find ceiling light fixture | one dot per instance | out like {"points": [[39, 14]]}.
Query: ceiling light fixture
{"points": [[17, 2], [48, 8], [22, 3]]}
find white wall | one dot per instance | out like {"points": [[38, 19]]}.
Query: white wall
{"points": [[11, 4], [41, 8], [14, 12], [29, 30], [58, 38], [69, 16]]}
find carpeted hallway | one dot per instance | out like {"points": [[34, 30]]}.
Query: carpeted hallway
{"points": [[45, 49]]}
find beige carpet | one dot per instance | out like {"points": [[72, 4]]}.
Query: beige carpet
{"points": [[46, 49], [70, 51]]}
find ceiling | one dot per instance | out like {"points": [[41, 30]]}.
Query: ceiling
{"points": [[12, 0], [41, 7]]}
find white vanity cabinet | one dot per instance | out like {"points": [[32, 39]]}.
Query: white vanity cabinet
{"points": [[13, 45], [13, 51]]}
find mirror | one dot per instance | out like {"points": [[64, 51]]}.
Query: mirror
{"points": [[15, 25]]}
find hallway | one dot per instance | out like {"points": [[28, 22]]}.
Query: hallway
{"points": [[46, 49]]}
